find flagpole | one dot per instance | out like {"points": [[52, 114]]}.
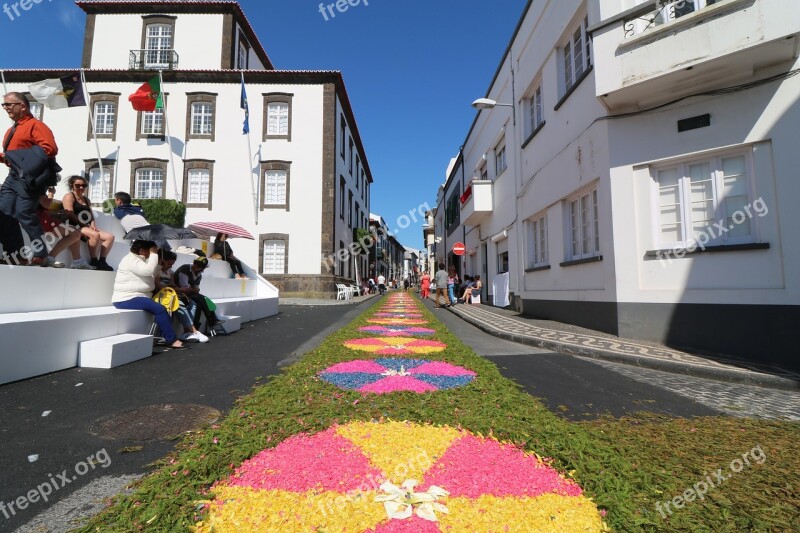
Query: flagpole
{"points": [[169, 137], [250, 164], [91, 121], [3, 76]]}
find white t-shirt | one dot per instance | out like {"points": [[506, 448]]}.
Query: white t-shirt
{"points": [[381, 280]]}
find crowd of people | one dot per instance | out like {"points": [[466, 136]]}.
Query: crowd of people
{"points": [[449, 286]]}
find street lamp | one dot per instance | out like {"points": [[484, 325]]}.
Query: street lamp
{"points": [[487, 103]]}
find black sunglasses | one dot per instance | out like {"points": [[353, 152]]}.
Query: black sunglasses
{"points": [[76, 186]]}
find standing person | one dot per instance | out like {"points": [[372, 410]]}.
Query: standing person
{"points": [[440, 278], [17, 203], [452, 281], [222, 248], [425, 286], [381, 284], [79, 207], [134, 284]]}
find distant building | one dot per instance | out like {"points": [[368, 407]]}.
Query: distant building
{"points": [[638, 177], [310, 181]]}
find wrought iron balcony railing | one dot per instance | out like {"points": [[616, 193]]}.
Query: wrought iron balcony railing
{"points": [[660, 12], [153, 60]]}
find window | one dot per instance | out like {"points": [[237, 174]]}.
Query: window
{"points": [[502, 256], [484, 173], [278, 119], [36, 109], [198, 181], [583, 226], [452, 210], [274, 257], [500, 163], [677, 9], [152, 122], [278, 116], [99, 185], [202, 119], [104, 113], [358, 170], [350, 209], [149, 183], [576, 55], [351, 155], [341, 197], [158, 46], [243, 55], [275, 187], [697, 197], [342, 135], [537, 242], [535, 110]]}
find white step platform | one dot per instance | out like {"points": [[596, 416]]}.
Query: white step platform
{"points": [[46, 313], [110, 352]]}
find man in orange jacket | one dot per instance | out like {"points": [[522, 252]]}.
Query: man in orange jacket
{"points": [[17, 205]]}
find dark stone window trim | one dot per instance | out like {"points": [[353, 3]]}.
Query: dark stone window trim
{"points": [[574, 86], [352, 144], [273, 237], [272, 98], [193, 164], [538, 269], [677, 253], [583, 261], [139, 135], [343, 136], [108, 164], [167, 20], [196, 98], [95, 98], [137, 164], [342, 188], [275, 165], [533, 134]]}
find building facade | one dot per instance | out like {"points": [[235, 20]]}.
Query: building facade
{"points": [[636, 174], [301, 187]]}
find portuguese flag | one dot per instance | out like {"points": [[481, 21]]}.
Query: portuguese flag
{"points": [[148, 96]]}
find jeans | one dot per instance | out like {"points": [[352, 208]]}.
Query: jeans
{"points": [[18, 208], [451, 292], [162, 318]]}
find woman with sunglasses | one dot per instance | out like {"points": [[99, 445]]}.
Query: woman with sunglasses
{"points": [[79, 207]]}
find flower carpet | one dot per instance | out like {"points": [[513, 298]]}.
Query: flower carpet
{"points": [[397, 476], [382, 376]]}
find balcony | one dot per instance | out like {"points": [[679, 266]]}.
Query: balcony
{"points": [[476, 202], [663, 49], [153, 60]]}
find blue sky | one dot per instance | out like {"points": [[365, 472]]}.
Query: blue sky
{"points": [[411, 67]]}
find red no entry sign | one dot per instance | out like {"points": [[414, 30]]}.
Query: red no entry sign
{"points": [[459, 248]]}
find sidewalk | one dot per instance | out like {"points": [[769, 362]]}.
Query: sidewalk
{"points": [[328, 301], [583, 342]]}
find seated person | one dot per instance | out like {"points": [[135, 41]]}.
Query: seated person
{"points": [[134, 284], [60, 235], [188, 278], [223, 249], [79, 209], [164, 278], [476, 288], [129, 215]]}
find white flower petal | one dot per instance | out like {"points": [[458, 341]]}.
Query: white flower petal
{"points": [[438, 491], [425, 511]]}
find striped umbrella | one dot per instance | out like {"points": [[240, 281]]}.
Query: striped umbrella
{"points": [[211, 229]]}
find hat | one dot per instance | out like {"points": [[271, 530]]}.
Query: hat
{"points": [[201, 262]]}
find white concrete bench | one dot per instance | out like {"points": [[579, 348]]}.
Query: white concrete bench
{"points": [[118, 350]]}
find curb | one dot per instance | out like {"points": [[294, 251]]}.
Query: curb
{"points": [[719, 374]]}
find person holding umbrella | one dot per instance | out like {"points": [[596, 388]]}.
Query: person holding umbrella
{"points": [[222, 248]]}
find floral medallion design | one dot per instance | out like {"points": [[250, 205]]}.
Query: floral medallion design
{"points": [[399, 321], [393, 374], [395, 345], [398, 314], [397, 477], [397, 331]]}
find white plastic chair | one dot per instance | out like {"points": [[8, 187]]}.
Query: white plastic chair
{"points": [[342, 292]]}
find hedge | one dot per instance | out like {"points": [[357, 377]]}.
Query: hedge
{"points": [[156, 210]]}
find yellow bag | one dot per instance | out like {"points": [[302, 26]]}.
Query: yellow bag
{"points": [[168, 298]]}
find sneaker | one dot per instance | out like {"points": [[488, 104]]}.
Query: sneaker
{"points": [[199, 337], [186, 337], [102, 265], [51, 262], [81, 264]]}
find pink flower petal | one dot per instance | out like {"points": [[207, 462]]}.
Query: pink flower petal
{"points": [[398, 383], [325, 461], [414, 524], [472, 467], [438, 368]]}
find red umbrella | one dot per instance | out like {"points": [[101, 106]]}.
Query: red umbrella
{"points": [[211, 229]]}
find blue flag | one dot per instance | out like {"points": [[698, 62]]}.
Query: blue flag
{"points": [[243, 105]]}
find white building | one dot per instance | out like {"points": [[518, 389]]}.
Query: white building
{"points": [[641, 184], [307, 186]]}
